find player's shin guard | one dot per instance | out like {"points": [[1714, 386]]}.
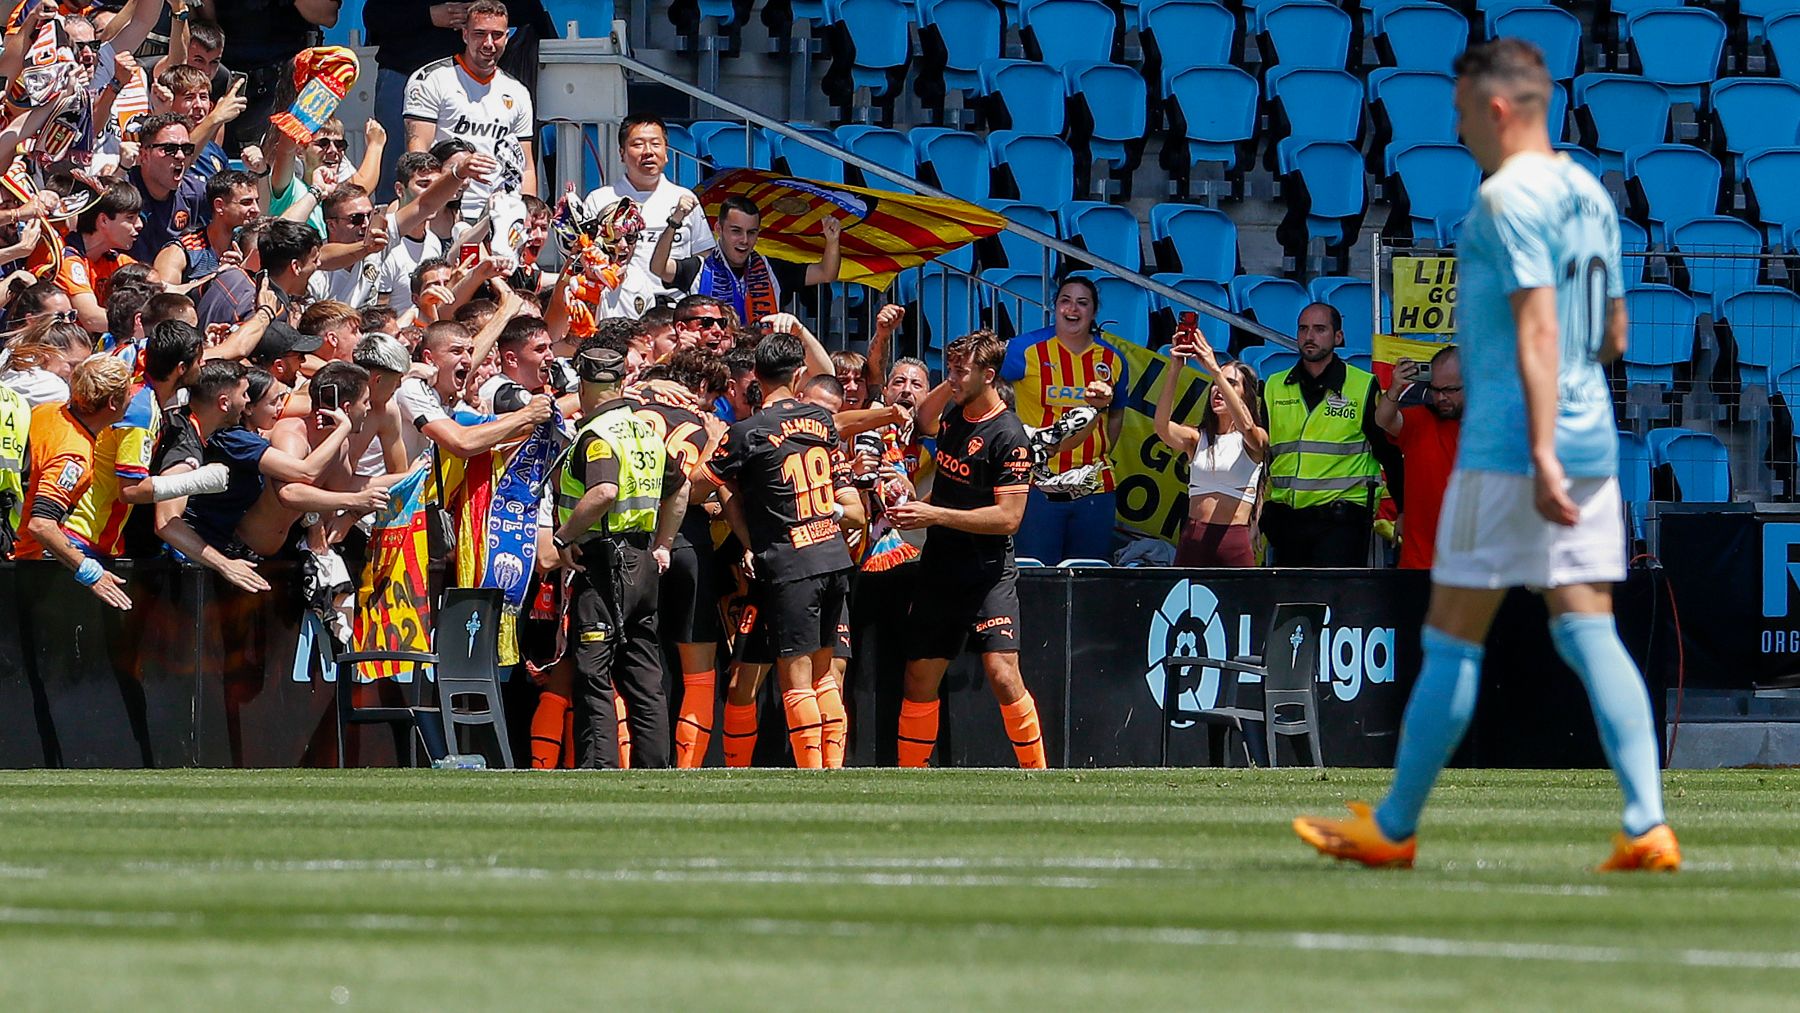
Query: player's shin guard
{"points": [[833, 718], [624, 733], [804, 727], [1437, 716], [547, 730], [918, 732], [1022, 728], [740, 733], [693, 721], [1590, 644]]}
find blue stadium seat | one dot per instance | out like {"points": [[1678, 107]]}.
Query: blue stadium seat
{"points": [[728, 145], [1437, 184], [1063, 31], [961, 34], [1701, 466], [1769, 188], [878, 34], [1671, 184], [1216, 332], [799, 160], [882, 146], [1273, 302], [1718, 276], [1582, 157], [1106, 229], [1330, 177], [1422, 35], [1027, 95], [1412, 105], [1678, 49], [1214, 109], [1267, 360], [1756, 14], [1042, 168], [1552, 29], [1634, 476], [1316, 103], [1124, 307], [1198, 241], [1662, 333], [955, 159], [684, 153], [1306, 33], [1019, 296], [1781, 37], [1556, 117], [1620, 111], [948, 299], [1116, 102], [1763, 321], [1632, 239], [1017, 252], [1355, 299], [1752, 113], [1178, 34]]}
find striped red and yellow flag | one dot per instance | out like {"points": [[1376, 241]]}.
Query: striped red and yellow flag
{"points": [[884, 233]]}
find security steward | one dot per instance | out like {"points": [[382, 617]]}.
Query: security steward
{"points": [[15, 429], [1326, 452], [619, 502]]}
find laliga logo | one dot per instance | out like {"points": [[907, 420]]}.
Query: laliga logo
{"points": [[1189, 622]]}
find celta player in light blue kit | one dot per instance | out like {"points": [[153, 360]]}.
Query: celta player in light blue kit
{"points": [[1534, 500]]}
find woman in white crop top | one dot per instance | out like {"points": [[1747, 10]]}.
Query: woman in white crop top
{"points": [[1226, 450]]}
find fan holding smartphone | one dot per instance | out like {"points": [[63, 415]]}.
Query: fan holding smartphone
{"points": [[1226, 451]]}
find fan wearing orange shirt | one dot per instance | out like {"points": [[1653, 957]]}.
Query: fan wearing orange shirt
{"points": [[62, 463], [94, 251]]}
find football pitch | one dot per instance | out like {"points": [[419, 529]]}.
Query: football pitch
{"points": [[934, 890]]}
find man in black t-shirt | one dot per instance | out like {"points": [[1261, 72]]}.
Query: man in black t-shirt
{"points": [[789, 487], [967, 578]]}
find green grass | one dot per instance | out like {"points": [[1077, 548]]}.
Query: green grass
{"points": [[941, 890]]}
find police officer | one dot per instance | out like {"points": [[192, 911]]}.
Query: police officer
{"points": [[1326, 451], [619, 503], [15, 428]]}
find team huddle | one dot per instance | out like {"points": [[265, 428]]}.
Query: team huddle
{"points": [[666, 520]]}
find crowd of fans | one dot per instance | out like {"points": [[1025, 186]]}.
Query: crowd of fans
{"points": [[227, 340]]}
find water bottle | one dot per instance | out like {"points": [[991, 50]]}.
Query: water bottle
{"points": [[461, 761]]}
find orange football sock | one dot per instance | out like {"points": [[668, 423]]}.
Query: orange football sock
{"points": [[1022, 727], [740, 733], [624, 733], [804, 727], [918, 732], [693, 720], [835, 723], [547, 729]]}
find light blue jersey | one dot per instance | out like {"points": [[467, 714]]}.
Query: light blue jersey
{"points": [[1540, 221]]}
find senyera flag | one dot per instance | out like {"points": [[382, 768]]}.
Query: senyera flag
{"points": [[883, 233]]}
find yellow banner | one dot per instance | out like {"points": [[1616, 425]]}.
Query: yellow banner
{"points": [[1390, 349], [1424, 295], [1152, 479]]}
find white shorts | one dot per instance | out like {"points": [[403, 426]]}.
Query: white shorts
{"points": [[1490, 534]]}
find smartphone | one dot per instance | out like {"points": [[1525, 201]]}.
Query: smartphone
{"points": [[238, 82], [469, 251], [329, 398], [1424, 374], [1189, 321]]}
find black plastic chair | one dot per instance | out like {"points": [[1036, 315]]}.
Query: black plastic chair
{"points": [[468, 629], [1288, 679], [424, 721]]}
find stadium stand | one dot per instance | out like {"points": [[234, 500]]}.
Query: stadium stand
{"points": [[1178, 34], [1678, 48], [955, 38], [882, 146], [1434, 185], [1022, 95], [1326, 198], [1059, 32], [1106, 229], [1727, 272], [1554, 30], [1304, 33], [1110, 105], [1752, 113], [1663, 319], [1670, 184], [1422, 35], [1214, 110], [1619, 111], [955, 160], [1040, 169], [1200, 242]]}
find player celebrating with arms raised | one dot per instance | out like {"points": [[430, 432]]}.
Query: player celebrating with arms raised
{"points": [[969, 583], [1534, 499]]}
